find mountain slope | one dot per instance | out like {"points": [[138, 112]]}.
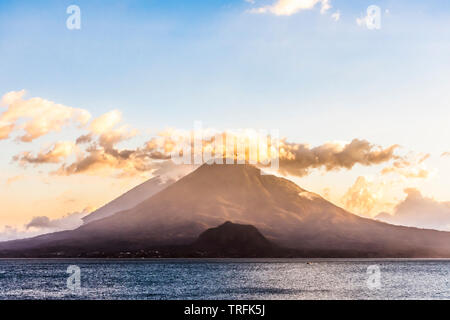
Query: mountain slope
{"points": [[129, 199], [284, 213]]}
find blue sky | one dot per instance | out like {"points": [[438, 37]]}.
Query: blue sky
{"points": [[169, 63]]}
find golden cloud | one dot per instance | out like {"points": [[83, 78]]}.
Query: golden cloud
{"points": [[299, 159], [366, 196], [36, 117], [98, 150], [361, 196], [410, 166], [55, 154], [102, 154], [5, 130]]}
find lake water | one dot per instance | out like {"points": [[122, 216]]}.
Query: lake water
{"points": [[226, 279]]}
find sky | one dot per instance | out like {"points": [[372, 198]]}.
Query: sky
{"points": [[311, 69]]}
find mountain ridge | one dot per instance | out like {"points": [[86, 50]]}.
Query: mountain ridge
{"points": [[129, 199]]}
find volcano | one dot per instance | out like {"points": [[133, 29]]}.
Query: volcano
{"points": [[285, 214], [130, 199]]}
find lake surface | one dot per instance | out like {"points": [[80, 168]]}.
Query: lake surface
{"points": [[225, 279]]}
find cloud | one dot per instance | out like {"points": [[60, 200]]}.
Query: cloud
{"points": [[42, 224], [299, 159], [55, 154], [98, 150], [290, 7], [336, 16], [410, 166], [108, 130], [419, 211], [95, 151], [359, 197], [12, 233], [365, 196], [68, 222], [99, 162], [5, 130], [101, 155], [294, 158], [105, 122], [84, 139], [36, 117]]}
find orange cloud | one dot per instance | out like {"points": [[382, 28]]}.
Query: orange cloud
{"points": [[55, 154], [98, 161], [368, 196], [362, 197], [36, 117], [410, 166], [5, 130], [98, 150], [102, 154], [299, 159]]}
